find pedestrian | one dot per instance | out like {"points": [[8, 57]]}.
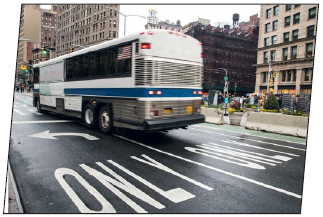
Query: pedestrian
{"points": [[242, 101]]}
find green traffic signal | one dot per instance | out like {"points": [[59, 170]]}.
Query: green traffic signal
{"points": [[44, 52]]}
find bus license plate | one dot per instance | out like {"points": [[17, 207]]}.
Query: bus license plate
{"points": [[189, 109], [167, 111]]}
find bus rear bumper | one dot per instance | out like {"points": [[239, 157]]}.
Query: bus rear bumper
{"points": [[164, 124]]}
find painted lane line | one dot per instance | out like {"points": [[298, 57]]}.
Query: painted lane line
{"points": [[257, 147], [19, 112], [216, 169], [41, 122], [276, 157], [300, 149], [35, 112], [23, 101], [252, 135], [47, 135]]}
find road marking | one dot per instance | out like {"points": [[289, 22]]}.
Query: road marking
{"points": [[19, 112], [216, 169], [35, 112], [254, 136], [106, 206], [257, 147], [251, 139], [23, 101], [41, 122], [124, 185], [47, 135], [175, 195], [160, 166]]}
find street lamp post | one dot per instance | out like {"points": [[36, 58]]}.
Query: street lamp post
{"points": [[269, 72], [226, 90], [125, 18], [235, 87]]}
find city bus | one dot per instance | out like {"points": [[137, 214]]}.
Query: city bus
{"points": [[149, 81]]}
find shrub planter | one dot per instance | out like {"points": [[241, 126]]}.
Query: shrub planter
{"points": [[235, 118]]}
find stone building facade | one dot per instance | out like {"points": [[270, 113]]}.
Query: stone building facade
{"points": [[85, 25], [287, 36]]}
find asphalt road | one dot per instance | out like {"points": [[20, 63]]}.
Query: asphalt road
{"points": [[62, 167]]}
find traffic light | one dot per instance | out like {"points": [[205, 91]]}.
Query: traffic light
{"points": [[44, 50], [23, 67], [271, 83], [274, 74], [71, 49]]}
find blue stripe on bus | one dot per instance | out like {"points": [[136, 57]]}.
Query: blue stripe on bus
{"points": [[132, 92], [36, 90]]}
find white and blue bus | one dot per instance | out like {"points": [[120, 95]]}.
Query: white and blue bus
{"points": [[147, 81]]}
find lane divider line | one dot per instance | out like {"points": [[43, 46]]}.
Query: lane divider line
{"points": [[216, 169], [41, 122]]}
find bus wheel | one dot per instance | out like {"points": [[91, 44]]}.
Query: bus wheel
{"points": [[38, 105], [105, 119], [89, 116]]}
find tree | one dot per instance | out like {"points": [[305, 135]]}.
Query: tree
{"points": [[271, 103]]}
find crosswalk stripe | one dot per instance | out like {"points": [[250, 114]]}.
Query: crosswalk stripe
{"points": [[19, 112], [35, 112]]}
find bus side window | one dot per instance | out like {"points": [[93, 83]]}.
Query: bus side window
{"points": [[76, 67], [91, 64], [85, 64], [111, 60], [69, 68]]}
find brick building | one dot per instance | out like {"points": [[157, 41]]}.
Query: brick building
{"points": [[253, 21], [85, 25], [231, 49], [287, 39]]}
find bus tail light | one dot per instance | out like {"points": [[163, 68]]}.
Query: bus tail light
{"points": [[184, 36], [200, 43], [154, 92], [170, 32], [154, 113], [178, 34], [145, 46], [201, 55], [197, 92], [150, 32], [141, 33]]}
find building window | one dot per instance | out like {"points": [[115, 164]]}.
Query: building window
{"points": [[283, 76], [288, 7], [287, 21], [295, 34], [296, 6], [312, 13], [266, 42], [276, 10], [309, 50], [294, 53], [266, 57], [307, 74], [268, 12], [264, 77], [286, 36], [114, 34], [285, 53], [294, 74], [289, 76], [268, 27], [274, 40], [273, 55], [114, 23], [310, 31], [275, 25], [296, 18]]}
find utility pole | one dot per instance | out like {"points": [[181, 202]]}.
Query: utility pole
{"points": [[268, 77], [226, 91]]}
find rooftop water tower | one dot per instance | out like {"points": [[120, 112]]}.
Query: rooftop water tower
{"points": [[235, 19]]}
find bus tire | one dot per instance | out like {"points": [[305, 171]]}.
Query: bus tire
{"points": [[38, 106], [89, 116], [105, 119]]}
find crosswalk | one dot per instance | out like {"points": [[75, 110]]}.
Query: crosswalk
{"points": [[24, 107]]}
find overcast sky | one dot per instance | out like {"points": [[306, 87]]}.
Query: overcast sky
{"points": [[184, 13]]}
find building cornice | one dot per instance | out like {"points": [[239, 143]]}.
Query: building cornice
{"points": [[285, 61], [287, 43]]}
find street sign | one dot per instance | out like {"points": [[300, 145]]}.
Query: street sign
{"points": [[226, 100], [225, 78]]}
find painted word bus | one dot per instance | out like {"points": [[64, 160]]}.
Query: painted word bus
{"points": [[147, 81]]}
